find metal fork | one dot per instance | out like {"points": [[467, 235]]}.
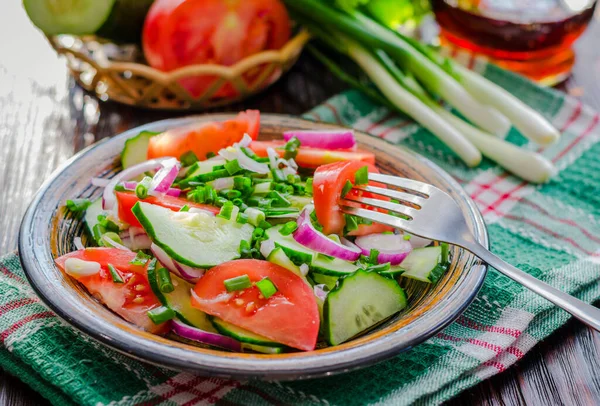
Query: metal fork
{"points": [[430, 213]]}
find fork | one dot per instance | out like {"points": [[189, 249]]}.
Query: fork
{"points": [[428, 212]]}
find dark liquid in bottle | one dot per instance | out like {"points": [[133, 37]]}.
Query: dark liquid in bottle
{"points": [[513, 29]]}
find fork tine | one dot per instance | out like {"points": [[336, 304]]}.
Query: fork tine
{"points": [[408, 184], [382, 204], [377, 217], [394, 194]]}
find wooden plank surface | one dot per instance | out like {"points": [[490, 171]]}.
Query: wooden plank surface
{"points": [[45, 118]]}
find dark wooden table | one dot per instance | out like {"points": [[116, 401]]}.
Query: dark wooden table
{"points": [[45, 118]]}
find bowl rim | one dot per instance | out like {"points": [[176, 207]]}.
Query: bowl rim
{"points": [[297, 366]]}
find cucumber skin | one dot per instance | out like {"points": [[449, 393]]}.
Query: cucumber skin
{"points": [[326, 329], [132, 143], [243, 339]]}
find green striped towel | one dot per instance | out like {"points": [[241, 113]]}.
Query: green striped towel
{"points": [[551, 231]]}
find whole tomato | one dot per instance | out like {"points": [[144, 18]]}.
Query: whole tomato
{"points": [[179, 33]]}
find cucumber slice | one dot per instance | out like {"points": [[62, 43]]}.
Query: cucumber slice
{"points": [[78, 17], [91, 215], [360, 301], [277, 256], [300, 201], [180, 301], [241, 334], [135, 150], [424, 264], [195, 239], [202, 167], [393, 272], [262, 349], [329, 281], [297, 253], [333, 267]]}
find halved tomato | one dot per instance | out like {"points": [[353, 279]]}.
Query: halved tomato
{"points": [[313, 157], [131, 299], [205, 137], [126, 200], [289, 317], [328, 182]]}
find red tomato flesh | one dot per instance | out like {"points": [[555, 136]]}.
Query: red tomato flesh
{"points": [[126, 200], [205, 137], [313, 157], [289, 317], [328, 182], [131, 299]]}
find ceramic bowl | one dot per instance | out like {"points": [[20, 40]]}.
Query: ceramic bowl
{"points": [[47, 231]]}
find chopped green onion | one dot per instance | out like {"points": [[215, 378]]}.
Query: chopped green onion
{"points": [[120, 188], [406, 236], [140, 259], [351, 223], [164, 281], [293, 179], [97, 231], [250, 154], [373, 255], [210, 176], [288, 228], [113, 236], [197, 195], [265, 225], [188, 159], [255, 216], [278, 175], [238, 202], [263, 188], [280, 211], [347, 188], [161, 314], [114, 272], [226, 210], [141, 190], [233, 194], [261, 202], [210, 155], [238, 283], [245, 251], [291, 148], [361, 177], [78, 205], [233, 167], [266, 287], [379, 268], [242, 183], [309, 186], [185, 208], [241, 218], [257, 233], [445, 252], [283, 188], [278, 199], [107, 224], [299, 189]]}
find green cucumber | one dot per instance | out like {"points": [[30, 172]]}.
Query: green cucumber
{"points": [[135, 150], [333, 267], [360, 301], [202, 167], [262, 349], [393, 272], [117, 20], [241, 334], [424, 264], [91, 215], [180, 301], [300, 202], [329, 281], [277, 256], [297, 253], [195, 239]]}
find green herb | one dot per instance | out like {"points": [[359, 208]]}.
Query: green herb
{"points": [[291, 148], [265, 225], [78, 205], [278, 200], [238, 283], [347, 188], [140, 259], [115, 274], [164, 281], [141, 190], [361, 177], [266, 287], [258, 233], [113, 237], [278, 175], [351, 223], [292, 179], [97, 231], [161, 314], [406, 237], [309, 186], [233, 167], [288, 228], [242, 183], [379, 268], [241, 218], [226, 210], [120, 188], [210, 155], [188, 159], [373, 255], [185, 208], [245, 251]]}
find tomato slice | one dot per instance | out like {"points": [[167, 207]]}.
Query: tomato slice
{"points": [[126, 200], [290, 316], [205, 137], [131, 299], [328, 182], [313, 157]]}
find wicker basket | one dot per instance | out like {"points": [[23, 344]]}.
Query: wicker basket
{"points": [[119, 73]]}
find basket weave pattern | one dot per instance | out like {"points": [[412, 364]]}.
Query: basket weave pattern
{"points": [[118, 73]]}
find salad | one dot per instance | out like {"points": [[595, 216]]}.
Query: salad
{"points": [[227, 241]]}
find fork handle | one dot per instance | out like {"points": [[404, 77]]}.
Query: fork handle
{"points": [[587, 313]]}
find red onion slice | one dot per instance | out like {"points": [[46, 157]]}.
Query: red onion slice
{"points": [[100, 182], [418, 242], [393, 248], [308, 236], [205, 337], [138, 242], [336, 139], [174, 192], [188, 273], [165, 177], [108, 197], [164, 258], [185, 272]]}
